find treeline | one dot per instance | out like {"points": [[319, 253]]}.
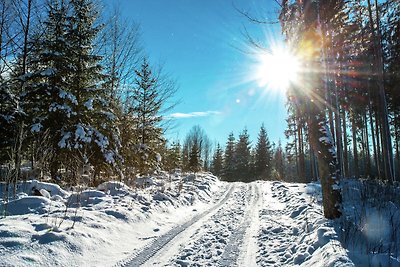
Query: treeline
{"points": [[240, 161], [77, 94], [359, 95]]}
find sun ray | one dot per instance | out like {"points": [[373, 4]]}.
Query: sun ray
{"points": [[278, 69]]}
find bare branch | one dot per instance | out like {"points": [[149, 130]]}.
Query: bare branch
{"points": [[252, 18]]}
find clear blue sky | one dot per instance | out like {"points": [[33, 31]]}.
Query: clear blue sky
{"points": [[200, 42]]}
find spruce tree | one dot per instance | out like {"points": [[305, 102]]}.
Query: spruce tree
{"points": [[90, 134], [217, 162], [229, 159], [194, 158], [243, 157], [279, 162], [147, 105], [174, 156], [263, 156], [48, 102]]}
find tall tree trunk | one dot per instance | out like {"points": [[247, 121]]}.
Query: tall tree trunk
{"points": [[378, 62], [345, 150], [355, 151], [21, 124], [367, 155], [371, 123], [302, 164], [378, 147], [398, 154], [319, 134]]}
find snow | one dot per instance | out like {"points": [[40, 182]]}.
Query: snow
{"points": [[194, 220], [35, 128], [48, 72], [64, 94], [55, 107], [104, 227], [89, 104]]}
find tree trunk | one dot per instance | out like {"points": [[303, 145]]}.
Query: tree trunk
{"points": [[327, 167], [371, 122], [367, 155], [302, 167], [320, 137], [345, 150], [378, 62], [355, 151]]}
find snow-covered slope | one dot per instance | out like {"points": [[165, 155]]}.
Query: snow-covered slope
{"points": [[97, 227], [175, 221]]}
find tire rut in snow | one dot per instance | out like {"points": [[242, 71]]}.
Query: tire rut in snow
{"points": [[207, 244], [235, 242], [150, 250]]}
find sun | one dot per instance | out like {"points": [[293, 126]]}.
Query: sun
{"points": [[278, 69]]}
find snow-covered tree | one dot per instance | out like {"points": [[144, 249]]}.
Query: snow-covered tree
{"points": [[48, 100], [89, 134], [146, 104], [173, 157]]}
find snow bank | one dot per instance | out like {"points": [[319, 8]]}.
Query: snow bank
{"points": [[26, 205], [295, 220], [98, 226]]}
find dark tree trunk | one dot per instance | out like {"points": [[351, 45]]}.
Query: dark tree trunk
{"points": [[345, 150], [355, 150]]}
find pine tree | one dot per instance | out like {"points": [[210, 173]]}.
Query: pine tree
{"points": [[146, 111], [194, 158], [174, 157], [279, 162], [263, 156], [90, 133], [217, 162], [48, 100], [229, 159], [243, 157], [303, 28]]}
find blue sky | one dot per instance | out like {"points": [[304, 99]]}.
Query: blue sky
{"points": [[201, 45]]}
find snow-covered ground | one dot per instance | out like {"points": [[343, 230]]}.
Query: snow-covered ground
{"points": [[175, 221]]}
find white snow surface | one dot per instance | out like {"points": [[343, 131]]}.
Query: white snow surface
{"points": [[171, 220]]}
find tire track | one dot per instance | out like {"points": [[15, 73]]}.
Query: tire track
{"points": [[237, 246], [208, 241], [150, 250]]}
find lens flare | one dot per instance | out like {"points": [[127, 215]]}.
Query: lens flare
{"points": [[278, 69]]}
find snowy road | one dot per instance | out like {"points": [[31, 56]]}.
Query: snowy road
{"points": [[255, 224], [261, 223]]}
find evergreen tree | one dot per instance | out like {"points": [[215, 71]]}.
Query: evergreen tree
{"points": [[90, 133], [263, 156], [146, 110], [229, 159], [243, 157], [194, 158], [174, 157], [48, 101], [279, 162], [217, 162]]}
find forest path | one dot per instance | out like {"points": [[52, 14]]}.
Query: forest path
{"points": [[254, 224], [155, 251]]}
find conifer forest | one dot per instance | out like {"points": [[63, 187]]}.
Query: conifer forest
{"points": [[106, 158]]}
